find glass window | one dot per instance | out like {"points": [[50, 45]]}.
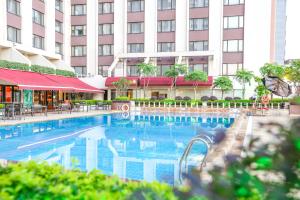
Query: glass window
{"points": [[13, 34], [58, 26], [166, 26], [106, 29], [79, 50], [80, 71], [135, 48], [79, 9], [231, 69], [197, 67], [38, 42], [233, 2], [59, 48], [198, 3], [198, 45], [38, 17], [59, 5], [78, 30], [135, 5], [103, 70], [233, 22], [13, 7], [106, 50], [233, 45], [132, 70], [105, 8], [198, 24], [165, 47], [135, 27], [162, 70], [166, 4]]}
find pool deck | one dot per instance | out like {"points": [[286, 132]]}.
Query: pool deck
{"points": [[54, 116]]}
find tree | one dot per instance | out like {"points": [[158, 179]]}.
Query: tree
{"points": [[196, 77], [272, 70], [223, 83], [174, 72], [261, 89], [146, 70], [122, 86], [292, 73], [244, 77]]}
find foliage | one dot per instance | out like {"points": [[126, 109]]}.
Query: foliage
{"points": [[122, 98], [196, 77], [42, 181], [146, 70], [244, 77], [292, 73], [2, 106], [41, 69], [269, 170], [295, 100], [92, 102], [223, 83], [121, 85], [272, 70], [14, 65], [260, 89], [64, 73], [174, 72]]}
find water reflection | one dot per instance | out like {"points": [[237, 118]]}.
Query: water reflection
{"points": [[139, 147]]}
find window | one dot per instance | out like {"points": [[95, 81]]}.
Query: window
{"points": [[13, 7], [233, 45], [198, 24], [78, 30], [135, 27], [80, 71], [106, 50], [166, 4], [233, 2], [135, 48], [231, 69], [197, 67], [105, 8], [135, 6], [162, 70], [38, 42], [132, 70], [79, 50], [198, 3], [165, 47], [59, 5], [59, 48], [106, 29], [233, 22], [166, 26], [13, 34], [103, 70], [58, 26], [199, 45], [79, 9], [38, 17]]}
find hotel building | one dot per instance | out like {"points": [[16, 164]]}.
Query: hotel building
{"points": [[103, 40]]}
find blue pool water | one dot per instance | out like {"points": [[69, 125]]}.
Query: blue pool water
{"points": [[138, 147]]}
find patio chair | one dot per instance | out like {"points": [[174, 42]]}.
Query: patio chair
{"points": [[38, 108], [64, 107], [100, 105]]}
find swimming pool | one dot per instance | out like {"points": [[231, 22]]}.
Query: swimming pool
{"points": [[136, 146]]}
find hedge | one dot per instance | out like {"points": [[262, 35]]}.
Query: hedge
{"points": [[91, 102], [14, 65], [41, 69], [65, 73]]}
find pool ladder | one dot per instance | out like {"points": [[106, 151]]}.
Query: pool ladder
{"points": [[202, 138]]}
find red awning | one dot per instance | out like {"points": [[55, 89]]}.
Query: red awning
{"points": [[181, 82], [133, 81], [156, 81], [36, 81]]}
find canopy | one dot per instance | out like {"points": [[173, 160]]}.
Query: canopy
{"points": [[36, 81], [166, 81], [109, 81], [277, 86], [181, 82]]}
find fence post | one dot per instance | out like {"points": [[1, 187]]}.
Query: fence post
{"points": [[159, 104]]}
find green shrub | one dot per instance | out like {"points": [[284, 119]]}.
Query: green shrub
{"points": [[41, 69], [14, 65], [64, 73], [2, 106], [122, 98], [91, 102], [42, 181]]}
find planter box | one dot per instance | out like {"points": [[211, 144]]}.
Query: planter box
{"points": [[294, 109], [121, 105]]}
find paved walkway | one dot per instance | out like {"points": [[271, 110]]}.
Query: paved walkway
{"points": [[53, 116]]}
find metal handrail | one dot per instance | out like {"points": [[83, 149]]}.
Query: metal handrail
{"points": [[203, 138]]}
